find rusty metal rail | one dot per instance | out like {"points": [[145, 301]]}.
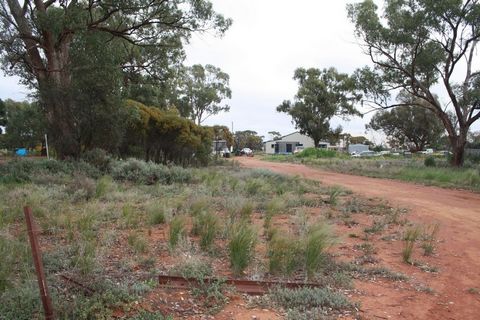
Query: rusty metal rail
{"points": [[251, 287]]}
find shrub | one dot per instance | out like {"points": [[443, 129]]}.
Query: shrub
{"points": [[430, 162], [149, 173], [98, 158], [82, 187], [177, 231], [241, 247], [308, 298]]}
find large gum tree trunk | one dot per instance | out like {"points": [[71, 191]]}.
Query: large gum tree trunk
{"points": [[458, 149], [56, 97]]}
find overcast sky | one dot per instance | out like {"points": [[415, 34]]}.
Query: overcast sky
{"points": [[268, 40]]}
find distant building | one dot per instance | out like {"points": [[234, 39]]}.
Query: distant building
{"points": [[357, 148], [290, 143]]}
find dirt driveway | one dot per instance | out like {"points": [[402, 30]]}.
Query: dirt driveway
{"points": [[456, 286]]}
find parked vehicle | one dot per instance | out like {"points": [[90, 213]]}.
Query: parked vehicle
{"points": [[246, 152], [298, 149]]}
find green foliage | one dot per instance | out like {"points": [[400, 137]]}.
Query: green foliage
{"points": [[81, 94], [176, 231], [316, 153], [156, 214], [104, 185], [212, 292], [410, 237], [137, 242], [429, 238], [149, 173], [322, 94], [284, 254], [248, 139], [412, 127], [399, 39], [318, 239], [430, 162], [98, 158], [206, 225], [202, 89], [308, 298], [25, 125], [24, 170], [164, 136], [22, 302], [241, 247]]}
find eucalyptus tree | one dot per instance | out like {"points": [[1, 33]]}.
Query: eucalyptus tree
{"points": [[428, 49], [409, 126], [322, 95], [202, 90], [38, 40]]}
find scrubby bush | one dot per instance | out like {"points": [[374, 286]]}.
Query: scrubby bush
{"points": [[139, 171], [307, 298], [430, 162], [98, 158]]}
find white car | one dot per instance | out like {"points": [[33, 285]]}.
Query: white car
{"points": [[246, 151]]}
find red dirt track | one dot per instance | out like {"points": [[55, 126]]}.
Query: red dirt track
{"points": [[457, 257]]}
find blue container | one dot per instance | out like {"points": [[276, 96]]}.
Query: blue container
{"points": [[21, 152]]}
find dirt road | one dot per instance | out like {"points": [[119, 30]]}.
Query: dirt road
{"points": [[457, 285]]}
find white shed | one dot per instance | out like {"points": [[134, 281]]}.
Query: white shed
{"points": [[289, 143]]}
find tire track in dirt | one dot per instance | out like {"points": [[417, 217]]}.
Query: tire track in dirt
{"points": [[457, 212]]}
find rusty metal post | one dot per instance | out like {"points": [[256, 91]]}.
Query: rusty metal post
{"points": [[37, 259]]}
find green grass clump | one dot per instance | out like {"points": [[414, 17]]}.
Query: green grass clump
{"points": [[206, 225], [137, 242], [156, 214], [318, 239], [130, 217], [410, 237], [177, 231], [104, 185], [430, 162], [284, 254], [333, 195], [429, 238], [241, 247]]}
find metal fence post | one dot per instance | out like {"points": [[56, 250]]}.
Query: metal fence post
{"points": [[37, 259]]}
